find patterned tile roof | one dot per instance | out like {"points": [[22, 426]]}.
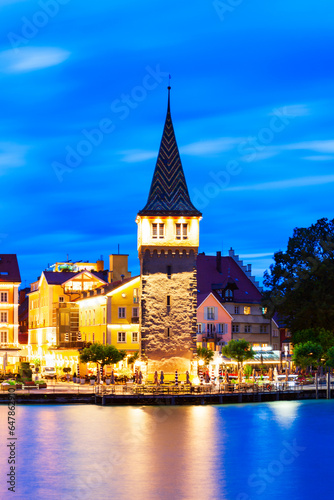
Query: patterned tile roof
{"points": [[169, 192]]}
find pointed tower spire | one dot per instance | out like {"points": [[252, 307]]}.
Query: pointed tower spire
{"points": [[169, 192]]}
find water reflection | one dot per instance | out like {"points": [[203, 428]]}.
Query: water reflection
{"points": [[194, 452]]}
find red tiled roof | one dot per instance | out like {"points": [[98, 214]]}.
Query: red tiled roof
{"points": [[9, 268], [231, 274]]}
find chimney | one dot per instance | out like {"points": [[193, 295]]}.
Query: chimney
{"points": [[219, 262]]}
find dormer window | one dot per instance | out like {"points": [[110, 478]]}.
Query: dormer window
{"points": [[181, 231], [158, 230], [228, 295]]}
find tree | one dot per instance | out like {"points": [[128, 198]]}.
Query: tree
{"points": [[132, 359], [323, 337], [330, 357], [301, 279], [307, 354], [205, 354], [101, 355], [240, 350]]}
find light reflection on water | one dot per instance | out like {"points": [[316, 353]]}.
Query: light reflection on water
{"points": [[192, 452]]}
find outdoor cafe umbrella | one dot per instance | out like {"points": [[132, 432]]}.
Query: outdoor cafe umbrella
{"points": [[112, 377], [5, 362], [275, 374], [287, 375], [253, 374], [240, 375], [162, 377], [156, 378]]}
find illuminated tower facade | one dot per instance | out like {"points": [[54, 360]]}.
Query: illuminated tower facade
{"points": [[168, 239]]}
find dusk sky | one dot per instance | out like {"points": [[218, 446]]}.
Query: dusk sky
{"points": [[83, 103]]}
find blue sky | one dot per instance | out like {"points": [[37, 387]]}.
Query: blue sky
{"points": [[83, 101]]}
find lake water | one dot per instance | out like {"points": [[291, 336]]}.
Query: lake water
{"points": [[280, 450]]}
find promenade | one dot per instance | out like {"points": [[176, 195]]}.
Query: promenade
{"points": [[168, 394]]}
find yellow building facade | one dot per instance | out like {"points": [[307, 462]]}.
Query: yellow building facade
{"points": [[9, 323], [70, 310]]}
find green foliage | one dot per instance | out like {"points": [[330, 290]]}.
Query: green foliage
{"points": [[307, 354], [240, 350], [101, 354], [300, 281], [132, 359], [205, 354], [248, 370], [25, 371], [323, 337], [330, 357]]}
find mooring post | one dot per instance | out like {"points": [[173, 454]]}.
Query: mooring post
{"points": [[328, 385], [316, 386]]}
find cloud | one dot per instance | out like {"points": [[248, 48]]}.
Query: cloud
{"points": [[210, 146], [256, 255], [288, 183], [11, 155], [319, 158], [318, 146], [137, 155], [292, 111], [31, 59]]}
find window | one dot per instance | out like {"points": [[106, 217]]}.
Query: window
{"points": [[247, 310], [235, 328], [181, 231], [222, 328], [121, 312], [104, 338], [275, 333], [168, 332], [4, 297], [228, 294], [210, 328], [93, 316], [121, 337], [288, 334], [158, 230], [199, 327], [264, 310], [134, 336], [93, 338], [4, 317], [247, 329], [211, 313], [3, 337], [103, 315], [236, 310], [275, 347], [135, 295], [61, 299], [135, 312], [263, 328], [169, 272], [168, 304]]}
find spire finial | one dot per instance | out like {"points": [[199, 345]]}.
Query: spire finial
{"points": [[169, 87]]}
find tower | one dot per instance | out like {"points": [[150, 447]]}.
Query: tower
{"points": [[168, 239]]}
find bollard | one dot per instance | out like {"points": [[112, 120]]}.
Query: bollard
{"points": [[316, 386], [328, 385]]}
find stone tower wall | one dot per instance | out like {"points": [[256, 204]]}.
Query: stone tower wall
{"points": [[176, 351]]}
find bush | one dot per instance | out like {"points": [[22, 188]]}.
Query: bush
{"points": [[25, 371]]}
